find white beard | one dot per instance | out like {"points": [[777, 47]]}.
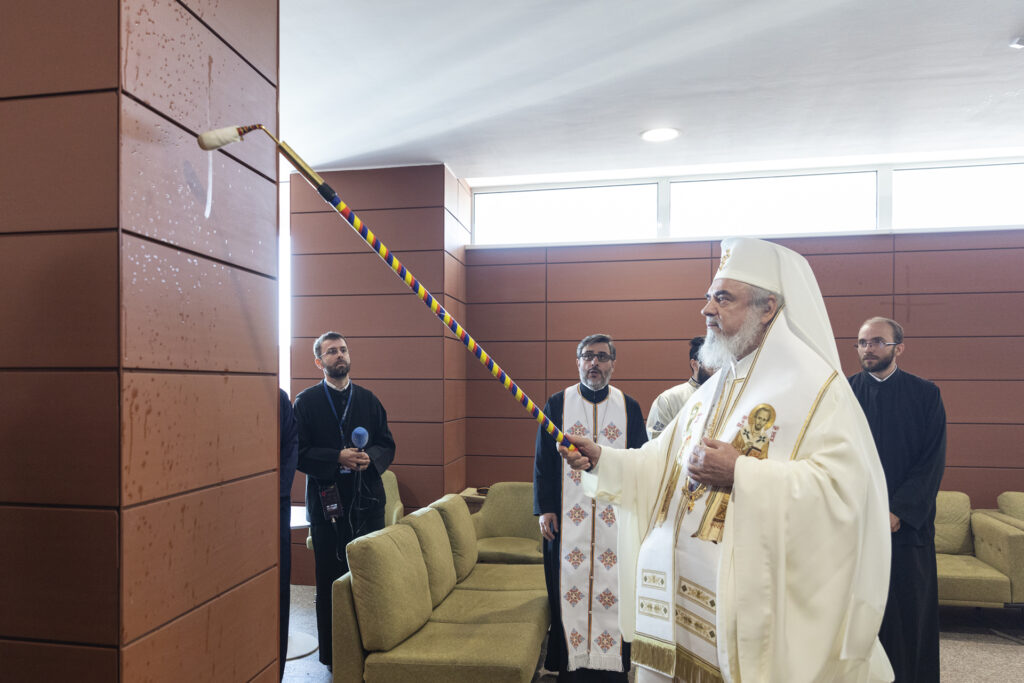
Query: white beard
{"points": [[720, 351]]}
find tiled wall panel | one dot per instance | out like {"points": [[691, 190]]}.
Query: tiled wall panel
{"points": [[25, 661], [74, 274], [419, 443], [209, 204], [195, 547], [419, 485], [181, 312], [398, 315], [78, 155], [74, 49], [409, 187], [175, 65], [65, 564], [73, 431], [402, 230], [249, 26], [174, 431], [957, 295], [320, 274], [230, 638], [519, 360]]}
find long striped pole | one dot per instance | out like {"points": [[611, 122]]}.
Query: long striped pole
{"points": [[223, 136]]}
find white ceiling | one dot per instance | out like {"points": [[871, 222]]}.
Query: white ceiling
{"points": [[523, 87]]}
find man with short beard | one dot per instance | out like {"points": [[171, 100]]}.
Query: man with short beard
{"points": [[580, 552], [770, 564], [344, 492], [908, 422], [671, 401]]}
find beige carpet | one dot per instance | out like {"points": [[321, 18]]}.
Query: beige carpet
{"points": [[977, 645]]}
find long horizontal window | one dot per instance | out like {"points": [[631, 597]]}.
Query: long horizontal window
{"points": [[827, 202], [616, 213], [777, 205], [964, 196]]}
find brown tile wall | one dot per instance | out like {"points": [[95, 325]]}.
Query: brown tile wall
{"points": [[957, 295], [400, 350], [140, 350]]}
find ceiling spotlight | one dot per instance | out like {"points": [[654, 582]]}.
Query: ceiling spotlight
{"points": [[1017, 43], [660, 134]]}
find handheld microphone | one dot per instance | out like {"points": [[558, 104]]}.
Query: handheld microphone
{"points": [[360, 437]]}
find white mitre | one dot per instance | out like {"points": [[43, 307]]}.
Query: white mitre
{"points": [[783, 271]]}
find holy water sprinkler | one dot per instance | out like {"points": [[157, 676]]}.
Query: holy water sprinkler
{"points": [[220, 137]]}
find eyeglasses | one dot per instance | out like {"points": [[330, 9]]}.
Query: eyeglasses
{"points": [[876, 343], [601, 357]]}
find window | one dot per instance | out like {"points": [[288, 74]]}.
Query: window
{"points": [[774, 205], [964, 196], [580, 214]]}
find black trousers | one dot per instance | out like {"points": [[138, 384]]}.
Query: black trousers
{"points": [[285, 570], [329, 543]]}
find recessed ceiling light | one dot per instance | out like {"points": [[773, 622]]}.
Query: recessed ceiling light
{"points": [[660, 134], [1017, 43]]}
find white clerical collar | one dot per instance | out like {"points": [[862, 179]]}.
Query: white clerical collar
{"points": [[741, 367], [334, 386], [882, 379]]}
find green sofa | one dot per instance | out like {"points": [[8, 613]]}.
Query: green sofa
{"points": [[1011, 509], [980, 559], [506, 529], [417, 606]]}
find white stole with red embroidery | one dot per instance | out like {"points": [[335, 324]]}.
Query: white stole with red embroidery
{"points": [[589, 575]]}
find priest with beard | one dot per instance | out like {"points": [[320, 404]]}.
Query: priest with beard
{"points": [[581, 570], [344, 492], [671, 401], [754, 529], [908, 422]]}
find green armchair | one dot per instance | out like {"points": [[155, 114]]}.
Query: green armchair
{"points": [[980, 559], [506, 530]]}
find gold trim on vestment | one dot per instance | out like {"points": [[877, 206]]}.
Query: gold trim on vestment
{"points": [[814, 409], [695, 624], [654, 654], [704, 597], [693, 669]]}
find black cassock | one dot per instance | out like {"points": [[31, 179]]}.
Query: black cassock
{"points": [[908, 422], [547, 497], [361, 493]]}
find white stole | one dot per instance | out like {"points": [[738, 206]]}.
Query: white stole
{"points": [[588, 559], [762, 408]]}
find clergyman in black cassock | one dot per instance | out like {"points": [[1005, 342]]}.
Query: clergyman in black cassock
{"points": [[908, 422], [326, 418]]}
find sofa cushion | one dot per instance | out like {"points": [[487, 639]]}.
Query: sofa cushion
{"points": [[496, 607], [461, 533], [1011, 503], [459, 653], [389, 586], [505, 577], [953, 523], [965, 579], [509, 550], [437, 551]]}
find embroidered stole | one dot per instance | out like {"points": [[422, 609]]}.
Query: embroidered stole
{"points": [[762, 414], [589, 574]]}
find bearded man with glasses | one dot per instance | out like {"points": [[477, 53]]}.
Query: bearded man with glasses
{"points": [[908, 422], [580, 544]]}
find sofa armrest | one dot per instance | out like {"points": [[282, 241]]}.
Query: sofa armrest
{"points": [[1001, 546], [349, 656], [479, 523]]}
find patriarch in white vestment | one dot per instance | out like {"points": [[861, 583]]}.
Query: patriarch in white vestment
{"points": [[754, 531]]}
